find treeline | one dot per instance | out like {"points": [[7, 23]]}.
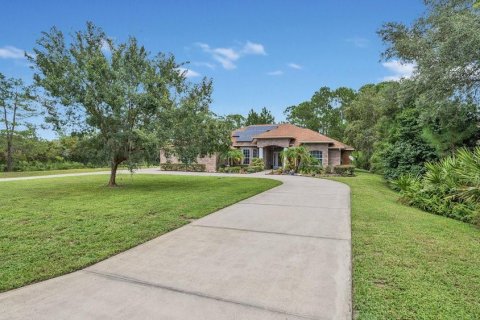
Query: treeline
{"points": [[398, 126], [32, 153]]}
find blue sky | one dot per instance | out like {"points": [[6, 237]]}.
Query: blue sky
{"points": [[258, 53]]}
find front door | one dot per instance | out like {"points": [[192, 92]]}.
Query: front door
{"points": [[277, 159]]}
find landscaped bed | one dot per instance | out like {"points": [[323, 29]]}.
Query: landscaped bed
{"points": [[55, 226], [409, 264]]}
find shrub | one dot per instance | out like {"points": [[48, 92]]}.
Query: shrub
{"points": [[344, 170], [253, 169], [236, 169], [257, 162], [311, 169], [450, 187], [194, 167]]}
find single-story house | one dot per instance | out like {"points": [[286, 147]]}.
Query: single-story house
{"points": [[267, 141]]}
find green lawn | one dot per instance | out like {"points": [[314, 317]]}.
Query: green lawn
{"points": [[54, 226], [47, 172], [409, 264]]}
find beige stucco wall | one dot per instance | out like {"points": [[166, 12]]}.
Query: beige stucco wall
{"points": [[210, 162], [320, 147]]}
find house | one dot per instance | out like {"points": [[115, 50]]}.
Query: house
{"points": [[267, 141]]}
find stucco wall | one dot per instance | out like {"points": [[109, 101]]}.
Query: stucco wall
{"points": [[210, 162]]}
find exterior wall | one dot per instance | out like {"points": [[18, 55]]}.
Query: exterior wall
{"points": [[334, 158], [346, 156], [282, 142], [320, 147], [210, 162]]}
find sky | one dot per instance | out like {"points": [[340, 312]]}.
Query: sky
{"points": [[259, 53]]}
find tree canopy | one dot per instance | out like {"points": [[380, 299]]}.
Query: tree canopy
{"points": [[120, 91], [263, 117]]}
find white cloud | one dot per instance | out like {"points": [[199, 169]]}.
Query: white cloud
{"points": [[254, 48], [10, 52], [204, 64], [275, 73], [400, 70], [359, 42], [189, 73], [227, 57], [295, 66]]}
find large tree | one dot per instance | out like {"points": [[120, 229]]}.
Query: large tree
{"points": [[118, 91], [17, 105], [262, 117], [444, 44], [324, 112]]}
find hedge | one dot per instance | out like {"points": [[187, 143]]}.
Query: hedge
{"points": [[195, 167], [344, 170]]}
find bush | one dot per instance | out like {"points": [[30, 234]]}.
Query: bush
{"points": [[450, 187], [44, 166], [194, 167], [257, 162], [253, 169], [311, 169], [344, 170], [236, 169]]}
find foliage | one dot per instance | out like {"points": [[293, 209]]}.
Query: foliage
{"points": [[324, 111], [263, 117], [344, 170], [253, 169], [442, 46], [16, 105], [450, 187], [234, 121], [408, 264], [61, 225], [192, 167], [297, 156], [232, 156], [311, 169], [130, 100], [257, 162], [405, 151]]}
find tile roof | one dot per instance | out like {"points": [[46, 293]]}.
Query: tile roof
{"points": [[286, 130]]}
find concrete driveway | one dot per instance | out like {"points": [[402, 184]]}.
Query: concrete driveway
{"points": [[282, 254]]}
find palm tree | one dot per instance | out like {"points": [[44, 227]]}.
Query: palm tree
{"points": [[232, 156]]}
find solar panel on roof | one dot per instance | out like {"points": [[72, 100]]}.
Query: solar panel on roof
{"points": [[248, 134]]}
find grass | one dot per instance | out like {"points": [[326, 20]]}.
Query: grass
{"points": [[409, 264], [18, 174], [55, 226]]}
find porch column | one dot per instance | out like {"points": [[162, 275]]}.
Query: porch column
{"points": [[284, 162], [260, 153]]}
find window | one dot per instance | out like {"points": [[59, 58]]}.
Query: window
{"points": [[317, 154], [246, 156], [255, 153]]}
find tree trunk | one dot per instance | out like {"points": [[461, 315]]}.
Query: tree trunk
{"points": [[113, 174], [9, 155]]}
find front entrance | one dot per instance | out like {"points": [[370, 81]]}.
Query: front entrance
{"points": [[277, 159]]}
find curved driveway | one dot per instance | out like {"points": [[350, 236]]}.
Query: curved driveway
{"points": [[282, 254]]}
